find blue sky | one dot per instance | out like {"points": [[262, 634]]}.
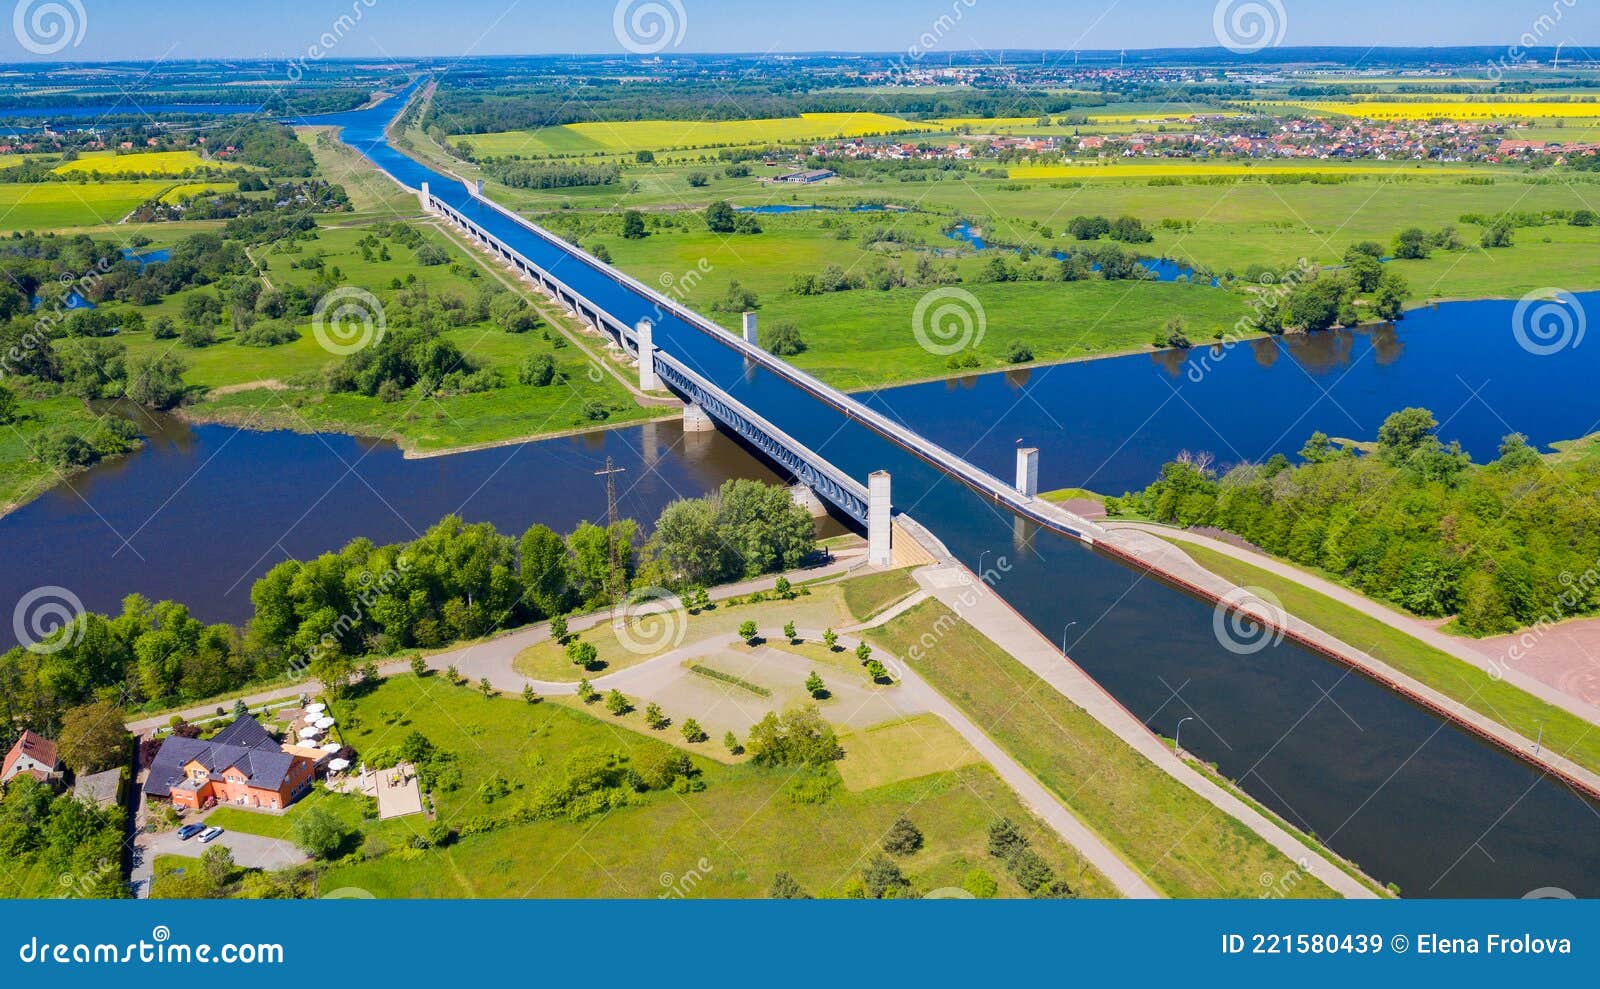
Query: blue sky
{"points": [[180, 29]]}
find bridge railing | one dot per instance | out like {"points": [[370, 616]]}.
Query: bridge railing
{"points": [[912, 441], [809, 466]]}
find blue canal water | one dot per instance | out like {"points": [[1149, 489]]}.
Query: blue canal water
{"points": [[1412, 799]]}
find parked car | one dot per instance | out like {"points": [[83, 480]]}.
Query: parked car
{"points": [[210, 835], [189, 831]]}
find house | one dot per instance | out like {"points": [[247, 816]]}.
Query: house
{"points": [[807, 176], [99, 789], [241, 765], [33, 754]]}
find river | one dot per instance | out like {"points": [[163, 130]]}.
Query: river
{"points": [[1411, 798]]}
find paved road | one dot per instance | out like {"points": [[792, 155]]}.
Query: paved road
{"points": [[249, 850]]}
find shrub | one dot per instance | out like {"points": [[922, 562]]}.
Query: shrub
{"points": [[903, 837]]}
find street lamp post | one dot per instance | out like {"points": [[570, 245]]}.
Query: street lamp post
{"points": [[980, 563], [1064, 632], [1177, 733]]}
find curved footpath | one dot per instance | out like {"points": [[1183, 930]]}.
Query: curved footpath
{"points": [[1172, 561]]}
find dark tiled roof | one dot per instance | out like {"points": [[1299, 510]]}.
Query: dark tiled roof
{"points": [[264, 763]]}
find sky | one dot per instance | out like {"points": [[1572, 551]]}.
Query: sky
{"points": [[98, 30]]}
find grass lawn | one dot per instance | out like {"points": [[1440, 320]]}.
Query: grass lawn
{"points": [[725, 841], [1178, 840], [903, 750], [351, 809], [45, 206], [871, 593], [370, 190], [1516, 709], [824, 607]]}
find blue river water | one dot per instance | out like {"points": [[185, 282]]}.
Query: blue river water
{"points": [[1410, 798], [205, 510]]}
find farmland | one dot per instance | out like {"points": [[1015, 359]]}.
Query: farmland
{"points": [[1446, 109], [1096, 170], [627, 137], [53, 205], [175, 163]]}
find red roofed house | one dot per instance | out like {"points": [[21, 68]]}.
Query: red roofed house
{"points": [[34, 755], [241, 765]]}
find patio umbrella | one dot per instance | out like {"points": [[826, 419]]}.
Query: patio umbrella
{"points": [[310, 732], [332, 747], [339, 765], [323, 723], [317, 708]]}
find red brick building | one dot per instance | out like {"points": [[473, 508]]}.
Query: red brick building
{"points": [[242, 765]]}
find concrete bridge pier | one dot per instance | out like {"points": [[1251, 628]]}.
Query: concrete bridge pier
{"points": [[695, 419], [880, 526], [1028, 472], [422, 197], [647, 356], [805, 497], [750, 329]]}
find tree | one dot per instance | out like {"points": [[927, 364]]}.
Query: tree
{"points": [[539, 370], [8, 406], [217, 861], [721, 218], [1405, 432], [654, 718], [789, 631], [156, 380], [692, 732], [980, 884], [877, 671], [747, 632], [617, 703], [698, 180], [486, 688], [529, 695], [319, 832], [815, 687], [419, 666], [863, 652], [1499, 234], [1018, 352], [586, 691], [92, 737], [633, 225], [800, 736], [730, 741], [884, 879], [784, 887], [582, 654], [1389, 298], [782, 339], [558, 628], [830, 638], [1411, 244], [783, 588], [1005, 839], [903, 837], [1174, 333]]}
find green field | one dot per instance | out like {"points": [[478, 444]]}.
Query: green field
{"points": [[1178, 840], [725, 841], [52, 205], [23, 476], [1496, 699]]}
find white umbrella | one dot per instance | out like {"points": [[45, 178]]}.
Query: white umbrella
{"points": [[332, 747], [317, 708], [310, 732], [323, 723], [339, 765]]}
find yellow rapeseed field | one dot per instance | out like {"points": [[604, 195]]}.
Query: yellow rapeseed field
{"points": [[625, 137], [1465, 110], [143, 162]]}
